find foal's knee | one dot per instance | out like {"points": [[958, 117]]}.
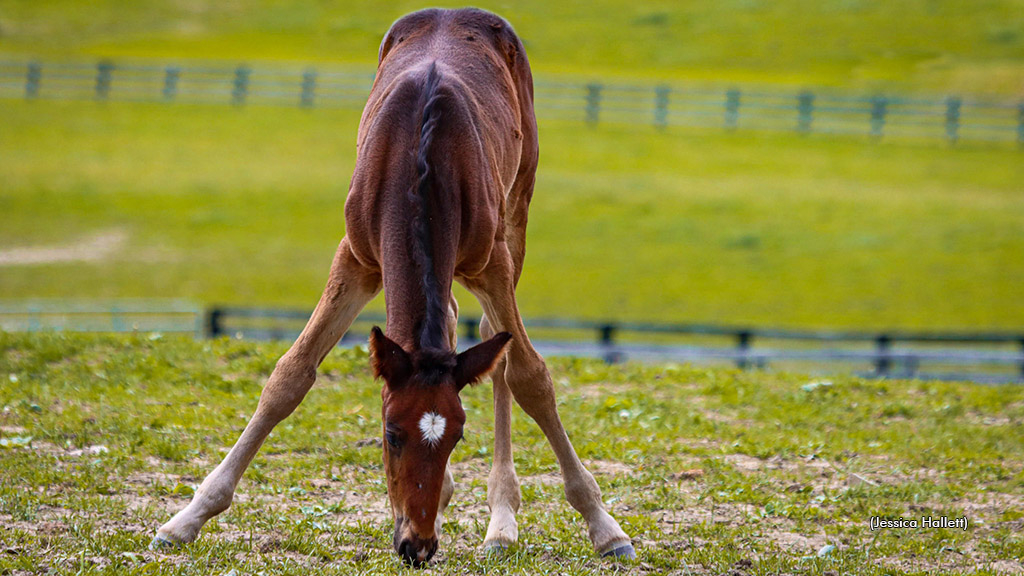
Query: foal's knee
{"points": [[287, 386]]}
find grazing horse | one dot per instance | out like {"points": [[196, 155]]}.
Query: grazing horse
{"points": [[446, 157]]}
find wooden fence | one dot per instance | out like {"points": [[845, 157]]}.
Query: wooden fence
{"points": [[951, 118], [888, 353], [139, 315], [978, 356]]}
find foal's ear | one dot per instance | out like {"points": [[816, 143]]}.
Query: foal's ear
{"points": [[390, 361], [478, 361]]}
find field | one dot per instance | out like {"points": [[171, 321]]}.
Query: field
{"points": [[245, 206], [931, 45], [711, 472]]}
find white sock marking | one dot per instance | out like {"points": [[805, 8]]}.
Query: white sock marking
{"points": [[432, 427]]}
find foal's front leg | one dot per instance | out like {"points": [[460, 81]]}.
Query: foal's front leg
{"points": [[349, 288], [530, 383], [503, 496], [447, 489]]}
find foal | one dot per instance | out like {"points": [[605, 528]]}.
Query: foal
{"points": [[446, 156]]}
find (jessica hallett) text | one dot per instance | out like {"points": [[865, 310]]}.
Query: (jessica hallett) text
{"points": [[924, 522]]}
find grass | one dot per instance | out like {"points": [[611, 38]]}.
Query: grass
{"points": [[711, 471], [244, 206], [933, 45]]}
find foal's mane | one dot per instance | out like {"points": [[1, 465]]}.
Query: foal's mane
{"points": [[432, 329]]}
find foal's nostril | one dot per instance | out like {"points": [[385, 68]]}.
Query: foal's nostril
{"points": [[431, 552], [408, 553], [414, 555]]}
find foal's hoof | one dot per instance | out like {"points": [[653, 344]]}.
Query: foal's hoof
{"points": [[624, 552], [161, 543], [495, 549]]}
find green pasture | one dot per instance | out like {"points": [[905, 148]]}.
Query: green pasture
{"points": [[245, 206], [932, 45], [711, 472]]}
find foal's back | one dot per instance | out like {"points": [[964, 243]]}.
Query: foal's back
{"points": [[484, 139]]}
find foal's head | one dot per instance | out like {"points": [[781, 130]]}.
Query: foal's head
{"points": [[423, 420]]}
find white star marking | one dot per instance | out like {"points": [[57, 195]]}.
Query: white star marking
{"points": [[432, 427]]}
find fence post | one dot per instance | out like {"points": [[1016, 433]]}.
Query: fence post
{"points": [[953, 119], [661, 106], [35, 320], [882, 362], [1022, 342], [32, 78], [732, 108], [606, 335], [593, 103], [743, 338], [241, 85], [911, 365], [472, 333], [104, 71], [198, 329], [214, 322], [1020, 123], [116, 321], [308, 87], [170, 90], [878, 110], [805, 106]]}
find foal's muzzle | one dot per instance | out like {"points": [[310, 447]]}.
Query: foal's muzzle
{"points": [[415, 551]]}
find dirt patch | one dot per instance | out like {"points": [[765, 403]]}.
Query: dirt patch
{"points": [[609, 468], [1007, 566], [93, 248], [807, 467], [604, 390], [798, 544], [954, 563]]}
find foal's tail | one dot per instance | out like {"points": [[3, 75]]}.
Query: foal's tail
{"points": [[432, 329]]}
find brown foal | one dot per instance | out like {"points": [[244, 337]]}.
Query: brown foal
{"points": [[446, 157]]}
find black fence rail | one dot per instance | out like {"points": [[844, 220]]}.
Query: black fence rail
{"points": [[1000, 355], [951, 118]]}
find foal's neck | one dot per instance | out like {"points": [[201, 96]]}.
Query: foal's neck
{"points": [[406, 304]]}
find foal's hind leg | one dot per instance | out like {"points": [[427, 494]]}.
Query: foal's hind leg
{"points": [[349, 288], [528, 378], [503, 496]]}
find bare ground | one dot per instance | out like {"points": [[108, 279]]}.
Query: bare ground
{"points": [[94, 248]]}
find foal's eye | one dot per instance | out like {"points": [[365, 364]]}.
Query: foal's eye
{"points": [[392, 439]]}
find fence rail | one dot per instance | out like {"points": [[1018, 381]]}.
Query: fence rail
{"points": [[951, 118], [889, 353], [990, 356], [174, 316]]}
